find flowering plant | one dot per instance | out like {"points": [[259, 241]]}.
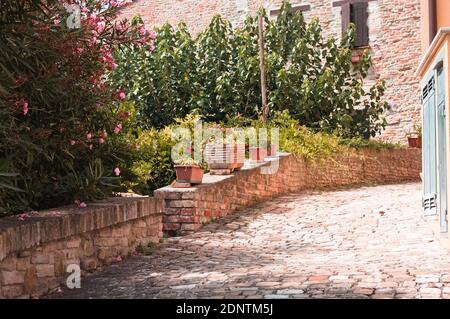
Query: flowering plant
{"points": [[58, 114]]}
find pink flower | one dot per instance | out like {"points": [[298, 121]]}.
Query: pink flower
{"points": [[117, 171], [152, 47], [118, 128], [79, 203], [119, 258], [56, 22], [100, 26], [73, 142], [89, 136], [104, 134], [25, 107], [101, 140], [143, 31], [119, 28], [152, 35], [22, 217], [118, 3], [122, 95], [91, 146]]}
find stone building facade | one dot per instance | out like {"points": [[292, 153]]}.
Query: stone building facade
{"points": [[393, 28]]}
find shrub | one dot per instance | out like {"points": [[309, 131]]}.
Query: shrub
{"points": [[57, 114], [151, 166], [293, 137], [359, 143]]}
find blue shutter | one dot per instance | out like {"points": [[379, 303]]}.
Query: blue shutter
{"points": [[441, 150], [429, 147]]}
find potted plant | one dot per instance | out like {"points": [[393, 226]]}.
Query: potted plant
{"points": [[257, 153], [225, 156], [189, 171], [272, 150], [415, 137]]}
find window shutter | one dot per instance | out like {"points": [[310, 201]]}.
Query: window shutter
{"points": [[345, 16], [359, 16]]}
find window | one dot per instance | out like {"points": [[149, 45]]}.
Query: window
{"points": [[356, 13]]}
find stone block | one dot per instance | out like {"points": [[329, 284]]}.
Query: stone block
{"points": [[13, 291], [11, 277], [40, 258], [45, 270], [182, 204], [30, 280]]}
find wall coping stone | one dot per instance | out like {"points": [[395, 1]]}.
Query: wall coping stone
{"points": [[211, 180], [59, 223], [186, 210]]}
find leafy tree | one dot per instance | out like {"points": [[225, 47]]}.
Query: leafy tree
{"points": [[218, 74], [159, 81]]}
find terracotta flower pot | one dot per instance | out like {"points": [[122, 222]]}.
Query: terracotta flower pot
{"points": [[189, 174], [257, 153], [272, 150], [415, 142], [225, 156]]}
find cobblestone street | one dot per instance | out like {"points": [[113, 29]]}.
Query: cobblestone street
{"points": [[357, 243]]}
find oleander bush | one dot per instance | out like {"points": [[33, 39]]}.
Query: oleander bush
{"points": [[59, 119], [217, 73]]}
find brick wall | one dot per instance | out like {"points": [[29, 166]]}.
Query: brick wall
{"points": [[35, 253], [394, 34], [185, 210]]}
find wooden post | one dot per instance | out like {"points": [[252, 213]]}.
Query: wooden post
{"points": [[262, 67]]}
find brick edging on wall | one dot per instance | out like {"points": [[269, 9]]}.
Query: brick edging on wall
{"points": [[35, 252], [186, 210]]}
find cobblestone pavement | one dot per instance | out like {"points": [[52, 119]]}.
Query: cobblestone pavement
{"points": [[335, 244]]}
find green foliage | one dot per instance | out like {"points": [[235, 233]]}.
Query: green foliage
{"points": [[150, 166], [360, 143], [218, 74], [55, 112], [160, 82], [302, 142]]}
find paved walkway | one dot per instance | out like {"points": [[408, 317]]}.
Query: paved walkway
{"points": [[311, 245]]}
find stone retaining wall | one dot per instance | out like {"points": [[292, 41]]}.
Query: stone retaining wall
{"points": [[35, 252], [186, 210]]}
